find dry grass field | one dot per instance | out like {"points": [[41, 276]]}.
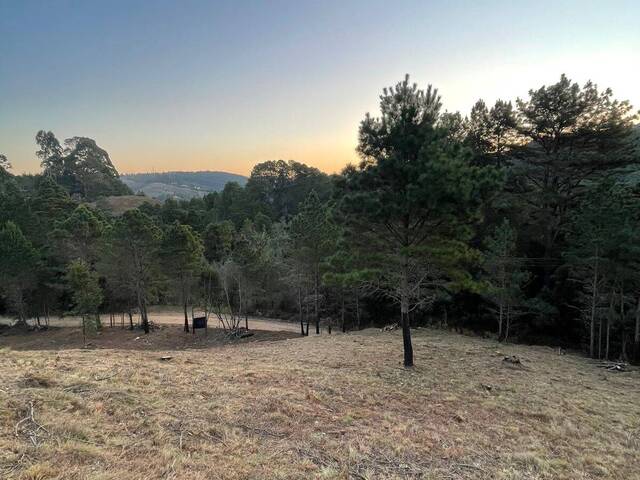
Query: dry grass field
{"points": [[276, 406]]}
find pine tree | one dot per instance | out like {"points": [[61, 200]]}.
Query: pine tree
{"points": [[19, 262], [313, 236], [569, 137], [414, 193], [603, 252], [181, 252], [130, 258], [504, 275], [79, 234], [86, 294]]}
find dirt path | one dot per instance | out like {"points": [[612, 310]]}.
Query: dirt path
{"points": [[170, 316]]}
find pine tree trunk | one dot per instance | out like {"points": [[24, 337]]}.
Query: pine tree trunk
{"points": [[404, 313], [22, 319], [145, 320], [500, 316], [344, 327], [594, 300], [143, 314], [600, 338], [357, 311], [636, 336], [609, 319], [300, 311], [317, 311], [239, 303], [606, 352], [623, 354], [186, 317], [506, 333], [307, 315]]}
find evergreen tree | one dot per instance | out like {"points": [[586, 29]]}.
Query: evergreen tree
{"points": [[18, 268], [87, 295], [413, 191], [218, 239], [345, 272], [181, 252], [79, 235], [569, 136], [603, 253], [130, 257], [282, 186], [491, 133], [313, 237], [5, 166], [50, 205], [504, 275]]}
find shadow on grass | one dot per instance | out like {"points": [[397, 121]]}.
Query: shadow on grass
{"points": [[163, 338]]}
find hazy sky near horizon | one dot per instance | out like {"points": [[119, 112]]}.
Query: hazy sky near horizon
{"points": [[223, 85]]}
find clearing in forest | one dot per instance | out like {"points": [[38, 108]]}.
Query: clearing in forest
{"points": [[279, 406]]}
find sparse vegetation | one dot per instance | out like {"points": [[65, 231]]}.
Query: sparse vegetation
{"points": [[337, 406]]}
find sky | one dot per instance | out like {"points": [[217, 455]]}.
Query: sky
{"points": [[222, 85]]}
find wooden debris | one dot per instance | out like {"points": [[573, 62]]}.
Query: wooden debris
{"points": [[30, 428], [389, 328], [240, 332], [165, 358], [614, 366]]}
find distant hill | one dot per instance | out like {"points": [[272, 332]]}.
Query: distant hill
{"points": [[117, 205], [182, 185]]}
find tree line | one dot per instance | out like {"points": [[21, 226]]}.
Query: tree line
{"points": [[522, 219]]}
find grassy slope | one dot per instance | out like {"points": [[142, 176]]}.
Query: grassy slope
{"points": [[323, 407]]}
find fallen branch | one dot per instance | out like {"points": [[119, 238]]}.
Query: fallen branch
{"points": [[32, 433], [99, 379], [614, 366]]}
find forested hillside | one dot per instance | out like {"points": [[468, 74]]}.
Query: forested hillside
{"points": [[180, 185], [521, 219]]}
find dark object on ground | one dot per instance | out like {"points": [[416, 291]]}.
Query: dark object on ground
{"points": [[512, 361], [614, 366], [152, 326], [199, 321], [389, 328], [166, 358]]}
